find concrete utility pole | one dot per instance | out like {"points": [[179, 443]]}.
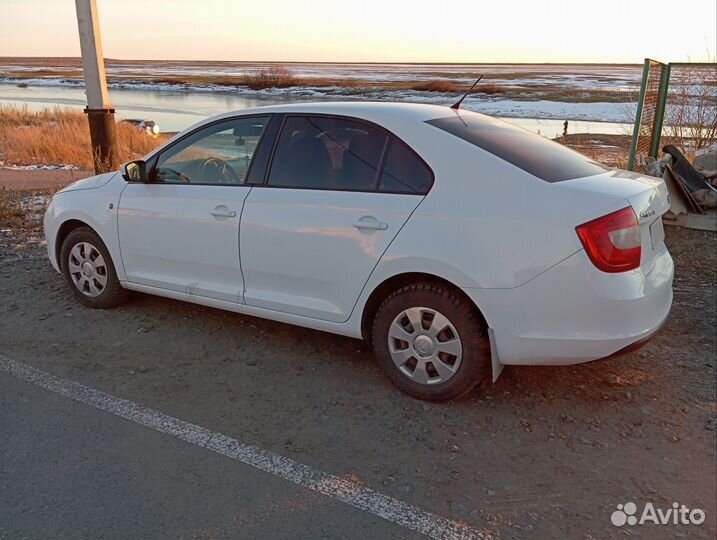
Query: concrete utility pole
{"points": [[99, 111]]}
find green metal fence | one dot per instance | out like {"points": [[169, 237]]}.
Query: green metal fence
{"points": [[677, 104], [650, 113]]}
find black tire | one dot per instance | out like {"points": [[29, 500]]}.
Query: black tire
{"points": [[111, 294], [475, 363]]}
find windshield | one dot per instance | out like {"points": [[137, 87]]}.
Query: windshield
{"points": [[534, 154]]}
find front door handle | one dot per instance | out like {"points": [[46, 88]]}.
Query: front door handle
{"points": [[222, 211], [370, 223]]}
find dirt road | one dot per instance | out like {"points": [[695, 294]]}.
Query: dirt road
{"points": [[39, 178], [543, 453]]}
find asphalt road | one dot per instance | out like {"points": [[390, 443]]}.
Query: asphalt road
{"points": [[68, 470]]}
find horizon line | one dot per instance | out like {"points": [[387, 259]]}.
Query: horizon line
{"points": [[373, 62]]}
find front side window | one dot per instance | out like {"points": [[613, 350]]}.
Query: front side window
{"points": [[327, 153], [218, 154]]}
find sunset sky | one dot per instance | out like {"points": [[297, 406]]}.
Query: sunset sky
{"points": [[371, 30]]}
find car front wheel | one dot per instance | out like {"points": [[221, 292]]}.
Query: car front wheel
{"points": [[89, 271], [431, 342]]}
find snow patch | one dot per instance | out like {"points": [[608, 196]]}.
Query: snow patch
{"points": [[38, 167]]}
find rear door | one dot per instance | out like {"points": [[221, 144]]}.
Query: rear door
{"points": [[336, 194]]}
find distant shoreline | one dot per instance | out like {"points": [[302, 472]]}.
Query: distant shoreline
{"points": [[555, 83], [557, 92], [76, 60]]}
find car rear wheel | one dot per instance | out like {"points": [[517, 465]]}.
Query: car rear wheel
{"points": [[89, 271], [431, 342]]}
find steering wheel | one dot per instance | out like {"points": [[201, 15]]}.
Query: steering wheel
{"points": [[215, 167]]}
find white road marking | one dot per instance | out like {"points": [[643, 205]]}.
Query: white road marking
{"points": [[340, 489]]}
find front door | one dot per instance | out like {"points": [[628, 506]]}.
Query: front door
{"points": [[180, 230], [338, 191]]}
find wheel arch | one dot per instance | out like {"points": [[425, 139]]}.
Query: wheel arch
{"points": [[395, 282], [65, 229]]}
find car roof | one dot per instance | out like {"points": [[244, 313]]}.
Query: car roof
{"points": [[381, 112], [362, 109]]}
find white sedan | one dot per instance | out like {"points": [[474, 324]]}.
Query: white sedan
{"points": [[451, 242]]}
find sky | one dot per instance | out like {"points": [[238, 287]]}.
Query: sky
{"points": [[474, 31]]}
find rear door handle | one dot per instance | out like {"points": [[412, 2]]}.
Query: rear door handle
{"points": [[222, 211], [370, 223]]}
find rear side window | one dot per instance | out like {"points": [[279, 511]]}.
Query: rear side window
{"points": [[327, 153], [534, 154], [403, 171]]}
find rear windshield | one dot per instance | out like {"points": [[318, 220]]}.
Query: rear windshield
{"points": [[534, 154]]}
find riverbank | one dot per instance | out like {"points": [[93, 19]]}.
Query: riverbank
{"points": [[585, 92], [552, 82]]}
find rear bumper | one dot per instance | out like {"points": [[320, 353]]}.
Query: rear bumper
{"points": [[575, 313], [637, 345]]}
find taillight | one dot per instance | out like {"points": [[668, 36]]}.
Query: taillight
{"points": [[613, 241]]}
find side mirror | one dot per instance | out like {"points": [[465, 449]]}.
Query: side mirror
{"points": [[134, 171]]}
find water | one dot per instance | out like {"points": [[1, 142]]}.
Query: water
{"points": [[173, 111], [176, 110]]}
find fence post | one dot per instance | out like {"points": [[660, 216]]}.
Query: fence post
{"points": [[660, 111], [638, 114]]}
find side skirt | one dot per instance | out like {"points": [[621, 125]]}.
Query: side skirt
{"points": [[343, 329]]}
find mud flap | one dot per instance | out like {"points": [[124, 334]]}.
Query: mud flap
{"points": [[497, 367]]}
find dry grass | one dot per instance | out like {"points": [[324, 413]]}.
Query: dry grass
{"points": [[23, 209], [611, 150], [281, 77], [59, 136], [11, 210], [438, 85], [263, 78], [271, 77], [490, 88], [442, 85]]}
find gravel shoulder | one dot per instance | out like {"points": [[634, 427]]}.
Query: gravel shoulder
{"points": [[543, 453]]}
